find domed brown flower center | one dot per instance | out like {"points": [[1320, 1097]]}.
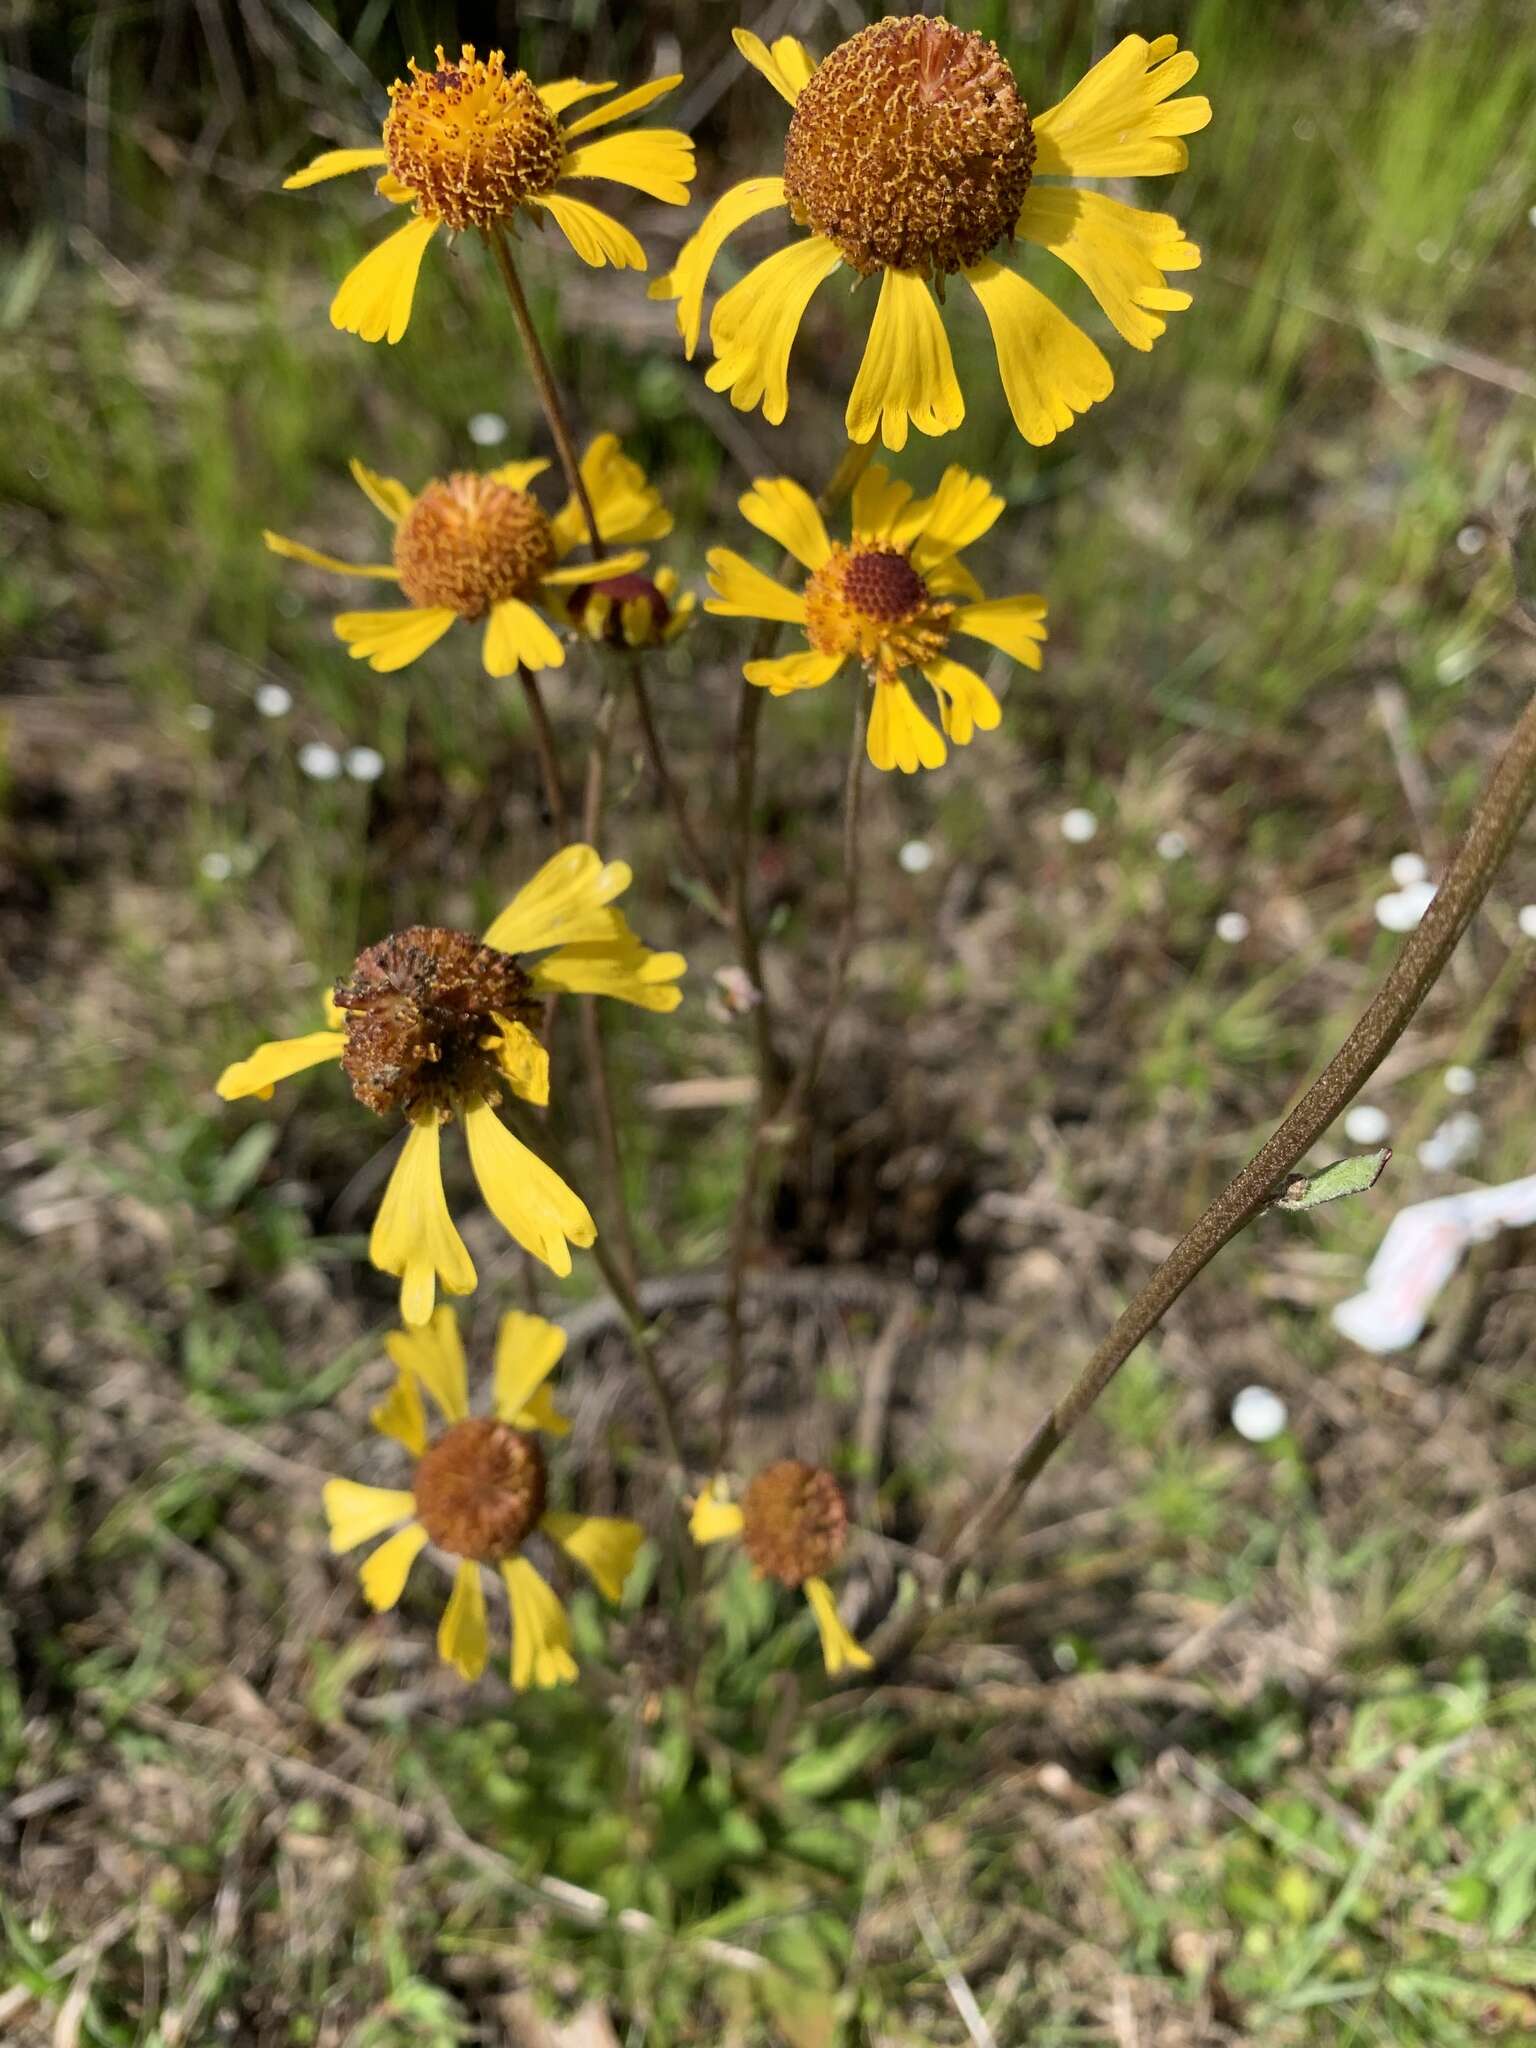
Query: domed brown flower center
{"points": [[870, 601], [794, 1521], [480, 1489], [420, 1007], [472, 141], [910, 147], [468, 542]]}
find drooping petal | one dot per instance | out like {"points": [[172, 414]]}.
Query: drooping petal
{"points": [[1120, 252], [787, 513], [656, 161], [1051, 371], [624, 503], [524, 1060], [528, 1199], [596, 236], [604, 1547], [462, 1639], [395, 190], [334, 163], [687, 279], [786, 66], [633, 102], [433, 1353], [374, 301], [528, 1348], [1016, 625], [961, 510], [1119, 121], [565, 92], [838, 1649], [296, 551], [515, 633], [391, 640], [386, 1570], [413, 1235], [966, 705], [619, 966], [356, 1513], [715, 1519], [901, 736], [783, 673], [541, 1633], [259, 1073], [908, 373], [879, 502], [565, 903], [386, 493], [742, 592], [402, 1416], [754, 326]]}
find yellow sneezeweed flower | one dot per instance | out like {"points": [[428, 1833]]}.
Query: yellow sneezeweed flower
{"points": [[478, 545], [474, 145], [912, 154], [890, 597], [434, 1024], [478, 1492], [793, 1523]]}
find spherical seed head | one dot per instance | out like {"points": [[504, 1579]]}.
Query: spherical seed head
{"points": [[868, 600], [480, 1489], [794, 1521], [420, 1007], [473, 141], [621, 611], [468, 542], [910, 148]]}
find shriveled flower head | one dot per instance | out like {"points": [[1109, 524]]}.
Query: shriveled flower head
{"points": [[891, 598], [434, 1024], [793, 1523], [911, 154], [472, 145], [479, 1491], [478, 546]]}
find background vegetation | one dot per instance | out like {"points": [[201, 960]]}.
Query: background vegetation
{"points": [[1222, 1743]]}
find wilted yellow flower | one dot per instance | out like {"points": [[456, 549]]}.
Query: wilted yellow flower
{"points": [[479, 1492], [793, 1522], [633, 610], [911, 153], [478, 545], [474, 145], [890, 598], [434, 1024]]}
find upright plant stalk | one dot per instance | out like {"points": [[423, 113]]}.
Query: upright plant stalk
{"points": [[671, 795], [549, 759]]}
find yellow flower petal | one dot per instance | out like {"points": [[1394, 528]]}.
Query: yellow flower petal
{"points": [[565, 903], [656, 161], [966, 705], [961, 510], [1120, 252], [1051, 371], [395, 190], [621, 967], [686, 281], [908, 373], [604, 1547], [596, 236], [375, 298], [385, 1572], [1014, 624], [624, 504], [879, 502], [565, 92], [582, 572], [401, 1415], [755, 324], [386, 493], [391, 640], [786, 66], [356, 1514], [742, 592], [952, 579], [1118, 121], [433, 1353], [276, 1061], [515, 633], [517, 476], [296, 551], [627, 103], [528, 1348], [334, 163], [413, 1235], [461, 1636], [787, 672], [715, 1519], [839, 1650], [787, 513], [541, 1633], [528, 1199], [524, 1060], [901, 736]]}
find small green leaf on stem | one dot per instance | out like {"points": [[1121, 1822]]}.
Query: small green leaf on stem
{"points": [[1345, 1177]]}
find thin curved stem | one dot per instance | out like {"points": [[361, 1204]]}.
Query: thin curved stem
{"points": [[549, 760], [671, 795]]}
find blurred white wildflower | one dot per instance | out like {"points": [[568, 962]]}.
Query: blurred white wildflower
{"points": [[1460, 1081], [273, 701], [1454, 1142], [1259, 1414], [321, 763], [1365, 1124], [1232, 927], [216, 867], [486, 429], [1171, 846], [1407, 868], [916, 857], [364, 764], [1079, 826]]}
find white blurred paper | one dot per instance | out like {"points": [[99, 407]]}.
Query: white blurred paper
{"points": [[1421, 1250]]}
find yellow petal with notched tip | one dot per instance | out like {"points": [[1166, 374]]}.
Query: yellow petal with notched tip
{"points": [[565, 903], [385, 1572], [413, 1235], [375, 298], [961, 510], [838, 1649], [334, 163], [784, 673], [966, 705], [604, 1547], [1015, 625], [357, 1513], [596, 236], [391, 640], [620, 966], [528, 1348], [624, 503], [517, 476], [688, 277], [386, 493], [786, 66], [514, 633], [743, 592], [524, 1060], [276, 1061], [1119, 121], [879, 500], [461, 1637], [1051, 371], [900, 736], [1120, 252], [754, 326], [541, 1633], [402, 1416], [565, 92], [433, 1353], [787, 513], [528, 1199], [908, 373], [656, 161], [714, 1518]]}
